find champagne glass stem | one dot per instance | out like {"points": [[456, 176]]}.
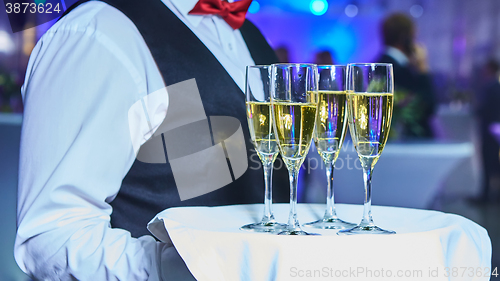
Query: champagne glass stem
{"points": [[330, 212], [367, 175], [293, 222], [268, 179]]}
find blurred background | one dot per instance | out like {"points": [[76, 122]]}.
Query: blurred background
{"points": [[443, 152]]}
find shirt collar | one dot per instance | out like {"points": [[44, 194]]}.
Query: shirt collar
{"points": [[397, 55], [184, 7]]}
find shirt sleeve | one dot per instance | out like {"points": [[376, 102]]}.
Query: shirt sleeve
{"points": [[75, 150]]}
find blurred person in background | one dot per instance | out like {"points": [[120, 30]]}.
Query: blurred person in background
{"points": [[324, 57], [489, 115], [413, 83]]}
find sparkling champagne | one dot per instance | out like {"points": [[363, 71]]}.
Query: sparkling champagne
{"points": [[294, 128], [260, 124], [370, 117], [331, 124]]}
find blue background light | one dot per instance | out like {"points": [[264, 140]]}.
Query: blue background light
{"points": [[351, 10], [318, 7], [291, 24], [254, 7]]}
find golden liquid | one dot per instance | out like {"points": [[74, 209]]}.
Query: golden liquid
{"points": [[261, 130], [294, 128], [370, 117], [331, 124]]}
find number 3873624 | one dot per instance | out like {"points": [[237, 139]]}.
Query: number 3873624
{"points": [[471, 272], [23, 8]]}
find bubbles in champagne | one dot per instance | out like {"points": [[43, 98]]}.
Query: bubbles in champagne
{"points": [[294, 128], [370, 117], [331, 124], [261, 130]]}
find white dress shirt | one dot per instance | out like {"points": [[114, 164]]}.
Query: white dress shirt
{"points": [[83, 76]]}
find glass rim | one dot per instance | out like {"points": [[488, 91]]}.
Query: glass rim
{"points": [[332, 65], [294, 64], [258, 66], [370, 64]]}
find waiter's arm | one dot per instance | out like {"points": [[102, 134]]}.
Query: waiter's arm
{"points": [[75, 150]]}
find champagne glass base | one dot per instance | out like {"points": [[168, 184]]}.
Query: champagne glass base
{"points": [[296, 232], [330, 223], [269, 226], [368, 229]]}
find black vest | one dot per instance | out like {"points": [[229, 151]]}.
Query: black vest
{"points": [[150, 188]]}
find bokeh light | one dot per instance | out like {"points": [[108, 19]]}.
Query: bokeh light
{"points": [[254, 7], [416, 11], [351, 10], [318, 7], [6, 43]]}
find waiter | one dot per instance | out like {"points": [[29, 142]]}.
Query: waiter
{"points": [[84, 201]]}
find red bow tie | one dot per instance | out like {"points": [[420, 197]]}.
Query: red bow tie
{"points": [[233, 13]]}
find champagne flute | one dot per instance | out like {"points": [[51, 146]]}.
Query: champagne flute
{"points": [[370, 103], [331, 127], [294, 102], [258, 103]]}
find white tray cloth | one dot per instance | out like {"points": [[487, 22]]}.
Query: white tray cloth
{"points": [[427, 243]]}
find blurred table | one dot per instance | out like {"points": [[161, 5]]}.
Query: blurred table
{"points": [[409, 174], [427, 244]]}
